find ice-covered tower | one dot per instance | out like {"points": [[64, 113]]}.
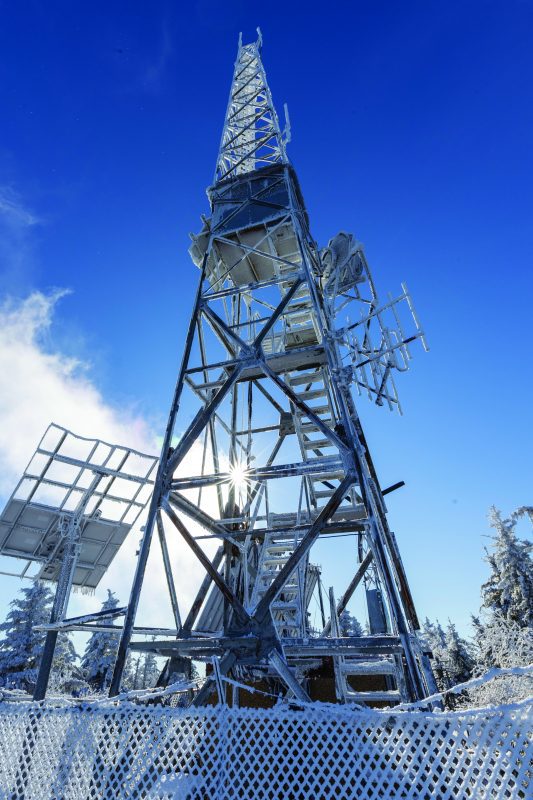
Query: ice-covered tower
{"points": [[264, 454]]}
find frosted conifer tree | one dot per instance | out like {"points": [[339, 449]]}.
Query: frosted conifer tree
{"points": [[21, 648], [136, 673], [349, 625], [509, 588], [150, 671], [503, 632], [459, 661], [434, 639], [99, 658]]}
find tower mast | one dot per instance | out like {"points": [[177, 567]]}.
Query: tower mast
{"points": [[275, 457]]}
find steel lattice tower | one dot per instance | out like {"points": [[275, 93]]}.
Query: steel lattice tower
{"points": [[281, 338]]}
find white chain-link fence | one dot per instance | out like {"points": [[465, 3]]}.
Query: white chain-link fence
{"points": [[58, 751]]}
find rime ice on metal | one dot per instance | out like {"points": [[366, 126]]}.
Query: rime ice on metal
{"points": [[270, 458], [69, 514], [251, 137], [273, 457]]}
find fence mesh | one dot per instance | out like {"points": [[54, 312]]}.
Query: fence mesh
{"points": [[126, 750]]}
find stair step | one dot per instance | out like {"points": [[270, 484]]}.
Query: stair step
{"points": [[282, 547], [322, 494], [272, 573], [368, 668], [312, 427], [318, 444], [270, 561], [317, 410], [307, 378], [285, 607], [392, 696], [312, 394], [301, 294]]}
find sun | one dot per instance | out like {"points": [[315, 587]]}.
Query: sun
{"points": [[238, 475]]}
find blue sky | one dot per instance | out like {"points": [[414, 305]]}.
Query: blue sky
{"points": [[412, 127]]}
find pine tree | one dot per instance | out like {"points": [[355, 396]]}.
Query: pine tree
{"points": [[100, 653], [21, 648], [136, 673], [459, 661], [500, 643], [433, 637], [349, 625], [150, 672], [509, 588]]}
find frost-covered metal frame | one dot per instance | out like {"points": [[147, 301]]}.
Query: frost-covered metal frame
{"points": [[251, 137], [60, 476], [70, 512], [264, 338]]}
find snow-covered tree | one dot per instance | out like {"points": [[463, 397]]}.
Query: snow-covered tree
{"points": [[136, 672], [503, 632], [459, 662], [144, 672], [150, 672], [349, 625], [21, 648], [99, 657], [509, 588], [503, 644], [433, 637], [500, 643]]}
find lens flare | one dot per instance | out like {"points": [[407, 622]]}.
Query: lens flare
{"points": [[238, 475]]}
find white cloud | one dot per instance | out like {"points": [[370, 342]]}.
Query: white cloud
{"points": [[14, 212], [38, 387]]}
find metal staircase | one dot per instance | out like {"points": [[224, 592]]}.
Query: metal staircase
{"points": [[346, 667], [288, 610]]}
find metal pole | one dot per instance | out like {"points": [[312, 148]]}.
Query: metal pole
{"points": [[64, 584], [70, 525], [129, 619]]}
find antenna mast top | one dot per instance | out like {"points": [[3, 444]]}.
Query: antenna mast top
{"points": [[251, 137]]}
